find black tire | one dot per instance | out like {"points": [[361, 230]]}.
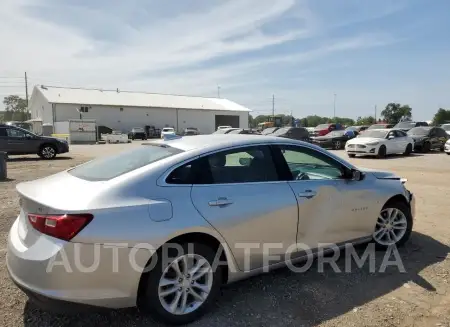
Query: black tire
{"points": [[351, 155], [405, 209], [381, 152], [337, 145], [408, 150], [149, 300], [47, 151], [426, 147], [442, 148]]}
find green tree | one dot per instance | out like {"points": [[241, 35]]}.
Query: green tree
{"points": [[395, 111], [442, 116], [369, 120], [16, 108], [344, 121]]}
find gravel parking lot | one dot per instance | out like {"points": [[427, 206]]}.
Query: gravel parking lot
{"points": [[419, 297]]}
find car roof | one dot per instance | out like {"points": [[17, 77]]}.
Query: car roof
{"points": [[219, 141]]}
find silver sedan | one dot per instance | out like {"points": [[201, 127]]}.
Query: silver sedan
{"points": [[163, 226]]}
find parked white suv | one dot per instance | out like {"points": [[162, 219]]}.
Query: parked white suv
{"points": [[167, 131], [223, 127], [447, 147]]}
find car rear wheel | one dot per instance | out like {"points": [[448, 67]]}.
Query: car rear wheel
{"points": [[382, 152], [408, 150], [337, 145], [183, 286], [47, 151], [394, 225]]}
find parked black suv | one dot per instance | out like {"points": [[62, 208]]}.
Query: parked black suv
{"points": [[296, 133], [137, 133], [428, 138], [16, 140]]}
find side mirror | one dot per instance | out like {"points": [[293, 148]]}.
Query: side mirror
{"points": [[245, 161], [357, 175]]}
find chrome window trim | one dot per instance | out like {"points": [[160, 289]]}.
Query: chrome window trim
{"points": [[161, 181]]}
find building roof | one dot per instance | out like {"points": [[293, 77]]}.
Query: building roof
{"points": [[83, 96]]}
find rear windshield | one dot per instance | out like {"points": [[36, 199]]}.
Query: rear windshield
{"points": [[104, 169], [269, 130], [322, 126], [419, 131], [405, 125]]}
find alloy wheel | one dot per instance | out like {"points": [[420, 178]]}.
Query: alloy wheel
{"points": [[185, 284], [391, 226], [48, 152], [337, 145]]}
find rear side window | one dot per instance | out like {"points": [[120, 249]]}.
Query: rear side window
{"points": [[107, 168]]}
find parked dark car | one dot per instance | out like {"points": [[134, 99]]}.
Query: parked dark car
{"points": [[324, 129], [190, 131], [407, 125], [244, 131], [137, 133], [428, 138], [16, 140], [225, 130], [381, 126], [335, 139], [296, 133], [269, 130]]}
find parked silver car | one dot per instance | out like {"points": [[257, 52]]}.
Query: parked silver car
{"points": [[147, 227]]}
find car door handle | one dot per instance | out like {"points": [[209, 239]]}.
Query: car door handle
{"points": [[307, 194], [220, 202]]}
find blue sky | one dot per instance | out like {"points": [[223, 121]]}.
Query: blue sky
{"points": [[368, 53]]}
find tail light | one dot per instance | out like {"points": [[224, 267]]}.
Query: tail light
{"points": [[64, 227]]}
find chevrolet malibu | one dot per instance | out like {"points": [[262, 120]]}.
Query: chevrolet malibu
{"points": [[165, 225]]}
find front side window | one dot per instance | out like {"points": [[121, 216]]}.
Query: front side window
{"points": [[309, 164], [14, 132]]}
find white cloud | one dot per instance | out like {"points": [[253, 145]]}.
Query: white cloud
{"points": [[145, 56]]}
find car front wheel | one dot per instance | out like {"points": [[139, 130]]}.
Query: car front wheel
{"points": [[394, 225], [182, 287], [47, 152]]}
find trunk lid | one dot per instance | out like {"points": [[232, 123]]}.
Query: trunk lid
{"points": [[55, 194]]}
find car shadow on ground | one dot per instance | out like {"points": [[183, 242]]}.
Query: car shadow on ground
{"points": [[32, 159], [285, 298]]}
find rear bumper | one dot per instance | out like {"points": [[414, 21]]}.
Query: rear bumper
{"points": [[51, 270]]}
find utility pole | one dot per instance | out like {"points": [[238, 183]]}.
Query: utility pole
{"points": [[26, 89], [273, 105], [334, 106], [218, 91], [375, 113]]}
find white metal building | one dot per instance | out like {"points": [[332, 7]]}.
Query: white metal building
{"points": [[123, 110]]}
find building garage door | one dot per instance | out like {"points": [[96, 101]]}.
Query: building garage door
{"points": [[223, 120]]}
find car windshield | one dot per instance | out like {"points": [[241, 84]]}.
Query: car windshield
{"points": [[337, 133], [281, 131], [235, 131], [103, 169], [168, 130], [269, 130], [322, 126], [418, 131], [138, 129], [351, 128], [222, 131], [405, 125], [375, 134]]}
